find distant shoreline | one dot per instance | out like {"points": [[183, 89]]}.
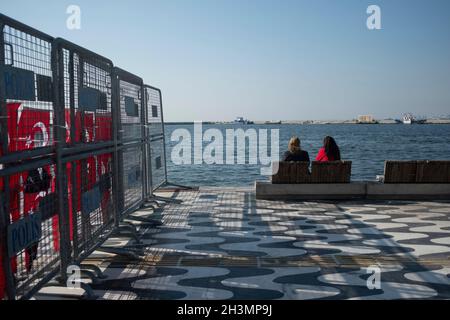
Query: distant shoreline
{"points": [[311, 122]]}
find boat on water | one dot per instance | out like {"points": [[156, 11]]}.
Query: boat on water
{"points": [[410, 119], [241, 120]]}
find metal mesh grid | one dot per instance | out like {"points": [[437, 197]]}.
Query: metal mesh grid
{"points": [[28, 52], [90, 198], [154, 112], [82, 73], [87, 102], [158, 163], [33, 193], [130, 116], [155, 129], [28, 88], [132, 182]]}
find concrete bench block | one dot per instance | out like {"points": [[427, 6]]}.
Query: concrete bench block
{"points": [[408, 191], [354, 190], [338, 191]]}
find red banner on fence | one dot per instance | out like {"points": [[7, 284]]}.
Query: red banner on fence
{"points": [[28, 128]]}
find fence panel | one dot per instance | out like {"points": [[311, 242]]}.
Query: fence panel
{"points": [[130, 95], [32, 235], [80, 142], [131, 177], [90, 201], [86, 93], [29, 230], [131, 156], [155, 149], [26, 92]]}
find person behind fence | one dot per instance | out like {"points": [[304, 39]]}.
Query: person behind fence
{"points": [[330, 151], [295, 152]]}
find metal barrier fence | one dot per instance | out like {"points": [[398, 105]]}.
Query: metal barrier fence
{"points": [[130, 89], [26, 92], [131, 177], [32, 255], [84, 92], [155, 143], [131, 181], [82, 145], [90, 201], [29, 229]]}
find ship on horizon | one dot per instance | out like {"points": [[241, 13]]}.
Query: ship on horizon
{"points": [[408, 118], [241, 120]]}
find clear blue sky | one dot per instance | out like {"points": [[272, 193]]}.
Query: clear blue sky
{"points": [[268, 60]]}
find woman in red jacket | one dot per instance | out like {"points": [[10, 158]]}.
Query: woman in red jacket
{"points": [[329, 152]]}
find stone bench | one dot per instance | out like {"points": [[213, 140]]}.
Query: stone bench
{"points": [[403, 180], [321, 172], [325, 181], [403, 172], [412, 180]]}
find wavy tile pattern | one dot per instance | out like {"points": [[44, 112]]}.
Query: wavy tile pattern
{"points": [[225, 244]]}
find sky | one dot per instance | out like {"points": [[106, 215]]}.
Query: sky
{"points": [[263, 60]]}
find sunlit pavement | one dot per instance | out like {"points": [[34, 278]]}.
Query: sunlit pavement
{"points": [[224, 244]]}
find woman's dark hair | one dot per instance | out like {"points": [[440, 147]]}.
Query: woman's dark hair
{"points": [[331, 148]]}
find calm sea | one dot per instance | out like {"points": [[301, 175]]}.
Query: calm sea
{"points": [[368, 146]]}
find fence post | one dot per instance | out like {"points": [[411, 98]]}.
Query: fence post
{"points": [[164, 135], [4, 203], [149, 153], [115, 110], [144, 142], [60, 139], [6, 261], [85, 223], [73, 167]]}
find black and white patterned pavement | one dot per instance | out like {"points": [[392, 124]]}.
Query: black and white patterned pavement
{"points": [[224, 244]]}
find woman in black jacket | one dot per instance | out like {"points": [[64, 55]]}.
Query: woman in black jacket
{"points": [[295, 153]]}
